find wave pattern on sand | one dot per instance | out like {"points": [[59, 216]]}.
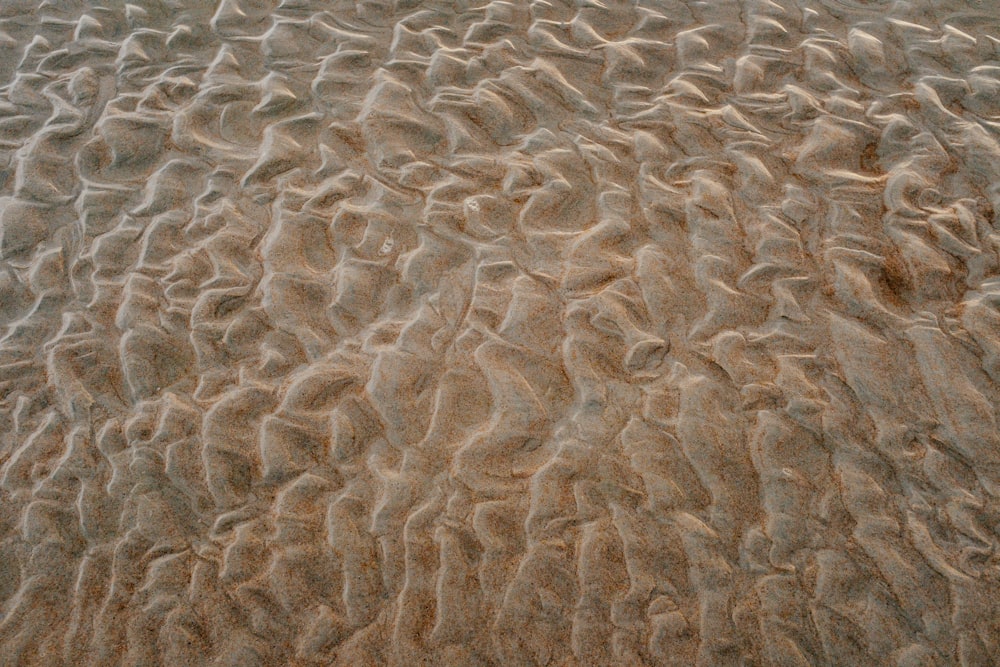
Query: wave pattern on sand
{"points": [[591, 332]]}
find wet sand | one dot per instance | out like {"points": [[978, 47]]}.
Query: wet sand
{"points": [[567, 333]]}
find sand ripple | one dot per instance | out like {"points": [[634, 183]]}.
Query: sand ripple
{"points": [[593, 332]]}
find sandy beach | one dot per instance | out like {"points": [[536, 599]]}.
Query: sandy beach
{"points": [[565, 333]]}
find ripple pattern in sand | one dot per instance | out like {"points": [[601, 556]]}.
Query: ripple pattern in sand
{"points": [[593, 332]]}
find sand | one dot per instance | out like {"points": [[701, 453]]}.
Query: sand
{"points": [[563, 332]]}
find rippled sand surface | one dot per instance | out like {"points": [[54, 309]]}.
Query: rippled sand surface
{"points": [[563, 332]]}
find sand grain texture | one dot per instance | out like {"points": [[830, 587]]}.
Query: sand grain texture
{"points": [[563, 332]]}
